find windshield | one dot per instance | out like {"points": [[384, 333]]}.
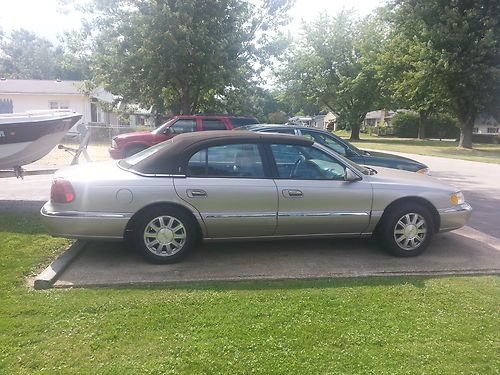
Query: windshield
{"points": [[350, 163], [162, 127], [144, 154]]}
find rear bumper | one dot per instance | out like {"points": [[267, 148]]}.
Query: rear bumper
{"points": [[454, 217], [116, 153], [84, 225]]}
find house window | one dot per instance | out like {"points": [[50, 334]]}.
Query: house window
{"points": [[493, 131], [475, 130], [58, 104]]}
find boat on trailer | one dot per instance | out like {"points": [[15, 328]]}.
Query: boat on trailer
{"points": [[27, 137]]}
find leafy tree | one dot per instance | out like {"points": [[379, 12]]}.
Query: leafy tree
{"points": [[459, 40], [183, 56], [329, 69], [409, 76], [23, 55], [277, 118]]}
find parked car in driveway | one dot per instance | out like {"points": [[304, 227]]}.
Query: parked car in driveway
{"points": [[128, 144], [371, 158], [246, 185]]}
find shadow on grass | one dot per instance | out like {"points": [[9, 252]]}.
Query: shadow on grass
{"points": [[26, 221], [418, 281]]}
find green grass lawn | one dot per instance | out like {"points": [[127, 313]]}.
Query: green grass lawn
{"points": [[487, 153], [413, 325]]}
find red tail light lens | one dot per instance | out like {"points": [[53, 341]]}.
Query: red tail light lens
{"points": [[62, 192]]}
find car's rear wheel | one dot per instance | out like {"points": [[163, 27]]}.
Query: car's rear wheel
{"points": [[132, 150], [165, 235], [407, 230]]}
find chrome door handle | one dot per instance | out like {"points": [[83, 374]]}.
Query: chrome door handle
{"points": [[292, 193], [196, 193]]}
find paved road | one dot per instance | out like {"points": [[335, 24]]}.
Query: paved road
{"points": [[480, 183], [473, 249]]}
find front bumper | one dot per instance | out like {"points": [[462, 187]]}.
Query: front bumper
{"points": [[454, 217], [116, 153], [84, 225]]}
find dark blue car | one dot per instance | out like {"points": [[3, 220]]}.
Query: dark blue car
{"points": [[339, 145]]}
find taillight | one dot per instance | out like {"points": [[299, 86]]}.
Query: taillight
{"points": [[62, 191]]}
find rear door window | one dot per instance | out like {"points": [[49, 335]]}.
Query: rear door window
{"points": [[213, 125], [236, 160]]}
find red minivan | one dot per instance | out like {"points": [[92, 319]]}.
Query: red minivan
{"points": [[128, 144]]}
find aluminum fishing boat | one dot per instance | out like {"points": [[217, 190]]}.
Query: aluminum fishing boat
{"points": [[27, 137]]}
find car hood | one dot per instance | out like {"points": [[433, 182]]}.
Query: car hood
{"points": [[396, 178], [135, 135], [389, 156]]}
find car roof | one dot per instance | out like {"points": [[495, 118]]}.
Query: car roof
{"points": [[172, 158], [279, 126]]}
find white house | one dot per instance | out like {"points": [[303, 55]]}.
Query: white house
{"points": [[318, 121], [19, 95], [486, 124]]}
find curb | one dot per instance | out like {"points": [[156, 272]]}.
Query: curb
{"points": [[47, 278]]}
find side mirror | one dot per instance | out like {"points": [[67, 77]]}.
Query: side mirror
{"points": [[167, 130], [350, 176]]}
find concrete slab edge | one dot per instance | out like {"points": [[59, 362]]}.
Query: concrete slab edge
{"points": [[47, 278], [259, 278]]}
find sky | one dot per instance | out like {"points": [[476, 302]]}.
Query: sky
{"points": [[44, 17]]}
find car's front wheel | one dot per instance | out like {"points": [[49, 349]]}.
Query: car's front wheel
{"points": [[165, 235], [407, 230]]}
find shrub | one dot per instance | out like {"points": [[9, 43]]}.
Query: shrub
{"points": [[437, 126]]}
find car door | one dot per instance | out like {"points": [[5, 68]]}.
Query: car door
{"points": [[313, 197], [228, 186]]}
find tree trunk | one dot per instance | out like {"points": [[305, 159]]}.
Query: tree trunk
{"points": [[466, 135], [355, 132], [185, 99], [466, 119], [422, 120]]}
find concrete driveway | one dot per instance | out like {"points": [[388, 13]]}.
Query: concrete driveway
{"points": [[473, 249], [463, 252]]}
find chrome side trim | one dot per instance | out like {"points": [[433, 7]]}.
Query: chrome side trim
{"points": [[321, 214], [227, 216], [156, 174], [149, 174], [95, 215], [290, 236]]}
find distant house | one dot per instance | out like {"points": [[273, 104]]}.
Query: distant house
{"points": [[318, 121], [378, 118], [487, 125], [19, 95], [300, 120]]}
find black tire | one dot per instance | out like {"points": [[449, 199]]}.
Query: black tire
{"points": [[398, 230], [132, 150], [165, 250]]}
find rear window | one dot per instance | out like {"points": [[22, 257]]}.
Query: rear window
{"points": [[131, 161]]}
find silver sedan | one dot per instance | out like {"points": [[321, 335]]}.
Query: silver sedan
{"points": [[241, 185]]}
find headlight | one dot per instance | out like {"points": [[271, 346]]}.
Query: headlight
{"points": [[457, 198], [424, 171], [113, 143]]}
